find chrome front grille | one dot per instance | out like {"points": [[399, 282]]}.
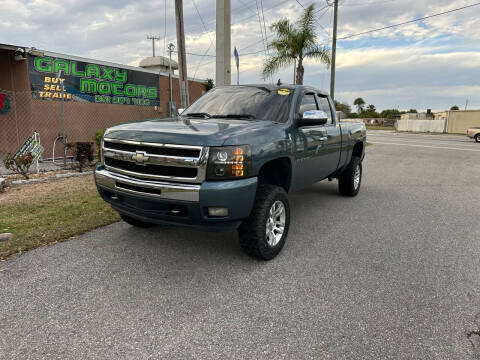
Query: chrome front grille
{"points": [[154, 161]]}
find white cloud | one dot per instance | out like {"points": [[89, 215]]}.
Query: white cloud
{"points": [[431, 63]]}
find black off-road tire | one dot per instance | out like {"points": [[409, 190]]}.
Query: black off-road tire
{"points": [[135, 222], [252, 232], [346, 180], [477, 138]]}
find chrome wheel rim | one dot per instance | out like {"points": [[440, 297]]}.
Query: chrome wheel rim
{"points": [[356, 177], [275, 223]]}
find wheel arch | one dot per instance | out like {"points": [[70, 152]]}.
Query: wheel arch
{"points": [[276, 172], [358, 150]]}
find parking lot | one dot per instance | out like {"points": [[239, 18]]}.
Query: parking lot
{"points": [[391, 274]]}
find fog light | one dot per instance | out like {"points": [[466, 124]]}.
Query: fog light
{"points": [[217, 212]]}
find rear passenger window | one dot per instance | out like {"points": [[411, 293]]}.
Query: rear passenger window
{"points": [[325, 106], [308, 103]]}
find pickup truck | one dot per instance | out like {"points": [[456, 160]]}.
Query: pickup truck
{"points": [[474, 133], [229, 161]]}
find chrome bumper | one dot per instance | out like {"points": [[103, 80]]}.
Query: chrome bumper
{"points": [[166, 190]]}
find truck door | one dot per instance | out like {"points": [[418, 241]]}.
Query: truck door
{"points": [[332, 145], [308, 142]]}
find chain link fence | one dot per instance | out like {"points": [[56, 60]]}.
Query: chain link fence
{"points": [[24, 112]]}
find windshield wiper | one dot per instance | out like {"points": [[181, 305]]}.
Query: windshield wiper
{"points": [[199, 114], [234, 116]]}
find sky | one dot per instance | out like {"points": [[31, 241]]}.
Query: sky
{"points": [[431, 64]]}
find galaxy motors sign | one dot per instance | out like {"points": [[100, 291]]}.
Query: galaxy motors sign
{"points": [[56, 79]]}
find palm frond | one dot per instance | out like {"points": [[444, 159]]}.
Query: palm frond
{"points": [[274, 63], [283, 28], [307, 21], [319, 53]]}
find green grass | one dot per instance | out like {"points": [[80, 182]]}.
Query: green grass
{"points": [[374, 127], [51, 213]]}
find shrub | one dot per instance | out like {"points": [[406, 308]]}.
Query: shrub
{"points": [[98, 141], [209, 84], [82, 153], [20, 165]]}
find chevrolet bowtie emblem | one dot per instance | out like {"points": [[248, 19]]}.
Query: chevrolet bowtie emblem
{"points": [[140, 157]]}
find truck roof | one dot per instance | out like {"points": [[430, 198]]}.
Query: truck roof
{"points": [[292, 87]]}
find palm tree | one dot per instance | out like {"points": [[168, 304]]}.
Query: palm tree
{"points": [[295, 42], [359, 103]]}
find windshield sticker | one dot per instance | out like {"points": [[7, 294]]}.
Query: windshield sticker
{"points": [[283, 92]]}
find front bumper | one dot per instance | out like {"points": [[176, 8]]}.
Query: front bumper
{"points": [[178, 204]]}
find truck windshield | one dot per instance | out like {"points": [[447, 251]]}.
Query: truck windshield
{"points": [[243, 102]]}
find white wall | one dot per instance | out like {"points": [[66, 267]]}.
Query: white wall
{"points": [[437, 126]]}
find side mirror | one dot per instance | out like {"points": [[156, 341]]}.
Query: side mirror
{"points": [[180, 111], [313, 117]]}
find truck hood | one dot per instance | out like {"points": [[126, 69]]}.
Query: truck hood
{"points": [[182, 131]]}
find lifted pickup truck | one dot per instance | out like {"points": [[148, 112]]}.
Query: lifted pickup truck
{"points": [[229, 161]]}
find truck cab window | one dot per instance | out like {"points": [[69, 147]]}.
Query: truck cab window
{"points": [[308, 103], [325, 106]]}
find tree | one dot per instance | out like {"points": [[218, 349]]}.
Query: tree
{"points": [[359, 103], [209, 84], [412, 111], [369, 112], [390, 113], [295, 42], [344, 107], [454, 107]]}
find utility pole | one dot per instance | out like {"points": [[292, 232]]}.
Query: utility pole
{"points": [[171, 47], [182, 59], [223, 46], [153, 38], [334, 49]]}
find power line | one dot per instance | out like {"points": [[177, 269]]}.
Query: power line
{"points": [[261, 27], [254, 15], [203, 23], [194, 54], [201, 60], [247, 18], [408, 22], [264, 26], [325, 7], [246, 6], [259, 41], [208, 33], [323, 28]]}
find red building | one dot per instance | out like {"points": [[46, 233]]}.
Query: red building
{"points": [[96, 94]]}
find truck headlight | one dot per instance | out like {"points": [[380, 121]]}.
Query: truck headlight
{"points": [[229, 162]]}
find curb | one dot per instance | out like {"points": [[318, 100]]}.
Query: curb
{"points": [[57, 176]]}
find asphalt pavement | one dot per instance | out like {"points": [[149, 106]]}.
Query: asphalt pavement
{"points": [[391, 274]]}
